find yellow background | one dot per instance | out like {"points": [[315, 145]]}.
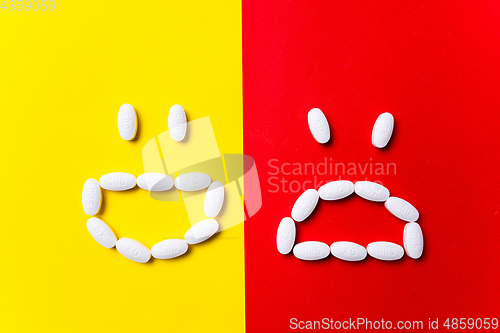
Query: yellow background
{"points": [[64, 75]]}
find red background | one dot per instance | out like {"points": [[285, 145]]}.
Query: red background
{"points": [[435, 67]]}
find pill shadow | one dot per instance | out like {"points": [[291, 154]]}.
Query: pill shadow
{"points": [[423, 257], [138, 127], [329, 143], [104, 204]]}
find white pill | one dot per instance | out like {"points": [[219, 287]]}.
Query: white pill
{"points": [[127, 122], [311, 250], [336, 190], [153, 181], [117, 181], [318, 125], [371, 191], [382, 130], [413, 240], [101, 232], [348, 251], [402, 209], [192, 181], [133, 250], [91, 197], [214, 199], [201, 231], [305, 205], [385, 250], [169, 249], [285, 237], [177, 122]]}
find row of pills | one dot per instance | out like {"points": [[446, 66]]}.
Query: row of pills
{"points": [[121, 181], [138, 252], [320, 129], [307, 201]]}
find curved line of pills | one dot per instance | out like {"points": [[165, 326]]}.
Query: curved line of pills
{"points": [[306, 203], [121, 181]]}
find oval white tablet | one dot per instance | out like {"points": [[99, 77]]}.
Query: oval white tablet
{"points": [[169, 249], [91, 197], [402, 209], [413, 240], [285, 237], [311, 250], [318, 125], [305, 205], [385, 250], [214, 199], [192, 181], [201, 231], [348, 251], [133, 250], [117, 181], [336, 190], [371, 191], [382, 130], [177, 125], [101, 232], [153, 181], [127, 122]]}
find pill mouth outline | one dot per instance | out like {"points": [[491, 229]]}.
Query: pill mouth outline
{"points": [[312, 206], [306, 203]]}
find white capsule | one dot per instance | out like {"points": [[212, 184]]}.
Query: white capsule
{"points": [[336, 190], [201, 231], [177, 125], [311, 250], [133, 250], [127, 122], [153, 181], [371, 191], [402, 209], [91, 197], [192, 181], [348, 251], [117, 181], [101, 232], [318, 125], [214, 198], [413, 240], [285, 237], [382, 130], [169, 249], [385, 250], [305, 205]]}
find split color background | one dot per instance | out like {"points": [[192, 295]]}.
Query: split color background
{"points": [[255, 68]]}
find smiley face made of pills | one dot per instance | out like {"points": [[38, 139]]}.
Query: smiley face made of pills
{"points": [[153, 182], [413, 241]]}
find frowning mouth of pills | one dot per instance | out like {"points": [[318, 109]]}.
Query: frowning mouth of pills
{"points": [[122, 181], [336, 190]]}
